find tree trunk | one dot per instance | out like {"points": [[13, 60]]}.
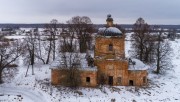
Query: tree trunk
{"points": [[49, 52], [158, 55], [158, 68], [147, 55], [32, 69], [158, 59], [1, 81], [83, 46], [141, 53], [54, 46], [141, 50], [27, 71], [40, 53]]}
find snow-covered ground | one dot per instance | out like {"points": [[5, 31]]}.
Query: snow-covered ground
{"points": [[37, 88], [15, 37]]}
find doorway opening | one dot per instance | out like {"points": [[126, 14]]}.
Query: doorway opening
{"points": [[110, 80], [131, 83]]}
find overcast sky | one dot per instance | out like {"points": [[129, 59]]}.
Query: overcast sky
{"points": [[123, 11]]}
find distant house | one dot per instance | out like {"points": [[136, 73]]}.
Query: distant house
{"points": [[172, 34], [7, 31], [178, 35], [110, 65]]}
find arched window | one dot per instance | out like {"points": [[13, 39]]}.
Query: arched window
{"points": [[110, 47]]}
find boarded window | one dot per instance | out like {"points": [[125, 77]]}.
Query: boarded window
{"points": [[119, 80], [144, 79], [88, 79], [110, 47]]}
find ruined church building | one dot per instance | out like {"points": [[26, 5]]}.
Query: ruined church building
{"points": [[111, 67]]}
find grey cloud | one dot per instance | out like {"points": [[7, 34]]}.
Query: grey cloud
{"points": [[163, 11]]}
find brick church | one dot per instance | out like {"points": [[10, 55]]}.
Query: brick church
{"points": [[111, 67]]}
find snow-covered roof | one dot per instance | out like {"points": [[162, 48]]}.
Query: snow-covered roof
{"points": [[101, 30], [110, 31], [138, 65], [58, 63]]}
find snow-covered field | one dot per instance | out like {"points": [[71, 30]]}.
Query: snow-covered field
{"points": [[37, 88]]}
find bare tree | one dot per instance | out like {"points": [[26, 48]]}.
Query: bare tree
{"points": [[151, 46], [53, 28], [40, 52], [172, 34], [72, 65], [83, 28], [30, 46], [50, 42], [68, 42], [70, 59], [162, 53], [148, 48], [141, 40], [42, 48], [9, 52]]}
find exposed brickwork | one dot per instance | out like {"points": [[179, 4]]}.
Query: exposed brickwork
{"points": [[59, 75], [137, 77], [102, 44], [115, 68], [55, 76], [110, 66], [93, 78], [109, 56]]}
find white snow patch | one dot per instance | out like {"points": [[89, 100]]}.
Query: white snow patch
{"points": [[138, 65], [37, 88]]}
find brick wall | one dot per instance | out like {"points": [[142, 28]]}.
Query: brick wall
{"points": [[58, 77], [102, 44], [115, 68], [54, 76], [118, 69], [93, 78], [137, 77]]}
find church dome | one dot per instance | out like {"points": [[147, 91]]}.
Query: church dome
{"points": [[110, 31]]}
